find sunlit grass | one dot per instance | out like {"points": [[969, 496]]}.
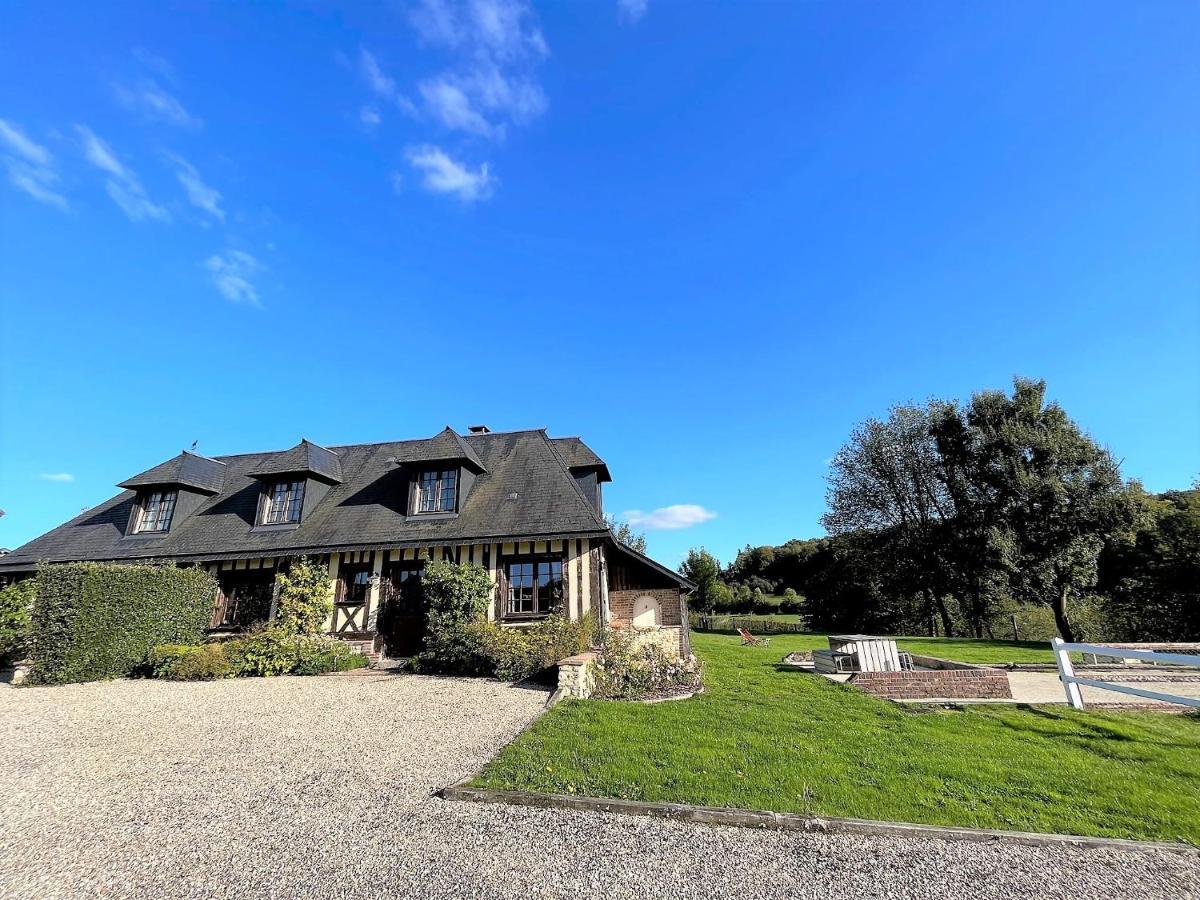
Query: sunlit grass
{"points": [[766, 736]]}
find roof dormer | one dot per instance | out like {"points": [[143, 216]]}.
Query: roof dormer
{"points": [[170, 492], [294, 482], [440, 473]]}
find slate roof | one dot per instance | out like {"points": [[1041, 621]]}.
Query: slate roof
{"points": [[187, 469], [579, 455], [305, 458], [524, 490]]}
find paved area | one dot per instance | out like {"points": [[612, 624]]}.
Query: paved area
{"points": [[320, 787], [1044, 687]]}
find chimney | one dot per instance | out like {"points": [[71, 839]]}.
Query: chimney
{"points": [[479, 429]]}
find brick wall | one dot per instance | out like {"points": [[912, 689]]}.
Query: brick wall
{"points": [[620, 605], [950, 684]]}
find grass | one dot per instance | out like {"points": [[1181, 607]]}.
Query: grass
{"points": [[971, 650], [766, 736]]}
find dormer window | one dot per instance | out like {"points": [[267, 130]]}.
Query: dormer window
{"points": [[155, 513], [437, 491], [283, 502]]}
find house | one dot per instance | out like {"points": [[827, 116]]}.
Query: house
{"points": [[526, 507]]}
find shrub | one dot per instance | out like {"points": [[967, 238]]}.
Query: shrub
{"points": [[629, 672], [15, 602], [791, 602], [305, 598], [266, 653], [514, 654], [456, 599], [97, 620], [190, 662]]}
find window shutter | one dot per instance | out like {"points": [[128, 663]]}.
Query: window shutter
{"points": [[501, 590]]}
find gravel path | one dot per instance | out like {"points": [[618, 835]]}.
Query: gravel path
{"points": [[320, 787]]}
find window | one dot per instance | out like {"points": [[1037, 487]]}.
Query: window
{"points": [[535, 586], [355, 582], [157, 509], [283, 503], [437, 491]]}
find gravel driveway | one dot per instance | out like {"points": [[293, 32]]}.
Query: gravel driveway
{"points": [[320, 787]]}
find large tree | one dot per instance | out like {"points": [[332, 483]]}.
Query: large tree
{"points": [[888, 479], [702, 569], [1045, 491]]}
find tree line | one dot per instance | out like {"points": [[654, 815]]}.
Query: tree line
{"points": [[975, 519]]}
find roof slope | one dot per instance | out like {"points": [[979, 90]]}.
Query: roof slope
{"points": [[580, 456], [305, 457], [523, 491], [186, 469]]}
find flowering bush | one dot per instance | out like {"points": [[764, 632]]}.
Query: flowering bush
{"points": [[628, 671], [515, 654]]}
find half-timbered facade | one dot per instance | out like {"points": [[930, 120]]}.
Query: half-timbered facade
{"points": [[526, 507]]}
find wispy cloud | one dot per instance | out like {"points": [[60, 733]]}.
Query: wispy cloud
{"points": [[631, 11], [369, 116], [382, 86], [150, 100], [669, 518], [200, 195], [231, 272], [29, 165], [444, 175], [57, 476], [122, 184], [496, 46]]}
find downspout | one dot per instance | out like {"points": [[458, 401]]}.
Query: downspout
{"points": [[603, 623]]}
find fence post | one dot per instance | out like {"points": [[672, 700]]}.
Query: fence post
{"points": [[1065, 671]]}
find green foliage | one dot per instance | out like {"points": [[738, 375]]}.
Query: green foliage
{"points": [[265, 653], [629, 671], [190, 662], [764, 736], [16, 601], [305, 597], [792, 603], [626, 535], [702, 569], [456, 595], [96, 620], [514, 654]]}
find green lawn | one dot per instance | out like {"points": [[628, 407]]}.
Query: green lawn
{"points": [[969, 650], [766, 736]]}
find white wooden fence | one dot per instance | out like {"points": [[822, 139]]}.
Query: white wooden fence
{"points": [[1071, 681]]}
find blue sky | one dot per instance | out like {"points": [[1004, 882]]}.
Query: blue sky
{"points": [[707, 238]]}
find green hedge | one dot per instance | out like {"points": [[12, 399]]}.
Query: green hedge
{"points": [[271, 652], [98, 620]]}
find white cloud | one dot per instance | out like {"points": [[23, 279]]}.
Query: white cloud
{"points": [[57, 476], [495, 46], [369, 116], [29, 165], [669, 518], [152, 102], [631, 11], [123, 185], [443, 175], [450, 105], [231, 273], [200, 195]]}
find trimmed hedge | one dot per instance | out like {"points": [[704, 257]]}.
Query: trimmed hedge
{"points": [[99, 620], [15, 602]]}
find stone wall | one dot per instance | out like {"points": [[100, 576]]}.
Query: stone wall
{"points": [[667, 637], [973, 683], [577, 675]]}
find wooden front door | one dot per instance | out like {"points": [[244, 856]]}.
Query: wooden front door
{"points": [[244, 598], [402, 615], [352, 603]]}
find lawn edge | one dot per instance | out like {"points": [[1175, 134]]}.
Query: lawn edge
{"points": [[753, 818]]}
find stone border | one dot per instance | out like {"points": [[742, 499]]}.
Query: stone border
{"points": [[752, 818]]}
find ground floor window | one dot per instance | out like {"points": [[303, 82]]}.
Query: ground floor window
{"points": [[244, 598], [535, 586]]}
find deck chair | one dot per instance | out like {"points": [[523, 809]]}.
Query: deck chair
{"points": [[749, 639]]}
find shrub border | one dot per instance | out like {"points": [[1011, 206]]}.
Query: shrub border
{"points": [[753, 818]]}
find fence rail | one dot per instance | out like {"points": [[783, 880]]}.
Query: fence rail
{"points": [[1072, 682], [752, 623]]}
